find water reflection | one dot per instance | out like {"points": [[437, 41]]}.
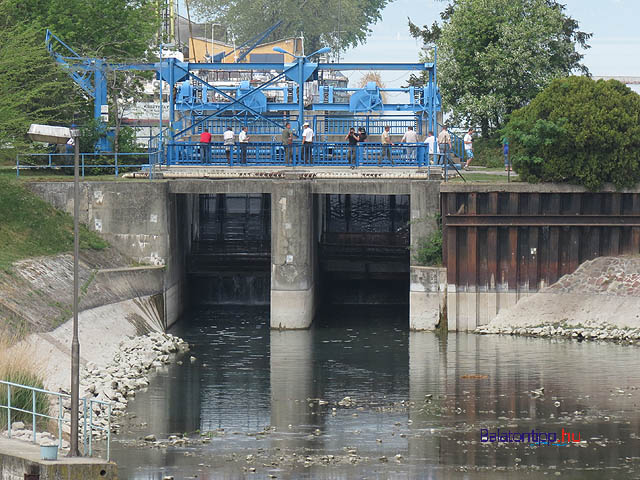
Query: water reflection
{"points": [[418, 396]]}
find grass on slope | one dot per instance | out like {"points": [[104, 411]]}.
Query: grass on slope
{"points": [[30, 227]]}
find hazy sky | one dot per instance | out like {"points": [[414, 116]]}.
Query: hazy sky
{"points": [[615, 45]]}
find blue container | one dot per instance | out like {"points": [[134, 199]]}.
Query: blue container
{"points": [[49, 452]]}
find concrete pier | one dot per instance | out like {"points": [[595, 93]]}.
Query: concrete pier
{"points": [[293, 259]]}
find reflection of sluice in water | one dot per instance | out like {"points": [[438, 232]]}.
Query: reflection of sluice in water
{"points": [[292, 384]]}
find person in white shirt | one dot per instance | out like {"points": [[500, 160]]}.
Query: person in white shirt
{"points": [[468, 148], [432, 147], [229, 139], [307, 144], [410, 136], [243, 139]]}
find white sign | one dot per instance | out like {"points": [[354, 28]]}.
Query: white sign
{"points": [[104, 109]]}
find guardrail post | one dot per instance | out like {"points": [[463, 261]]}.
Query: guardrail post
{"points": [[84, 426], [9, 411], [18, 166], [49, 160], [82, 158], [109, 435], [91, 428], [116, 161], [59, 421], [33, 416]]}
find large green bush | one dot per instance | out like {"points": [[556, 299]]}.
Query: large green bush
{"points": [[578, 131]]}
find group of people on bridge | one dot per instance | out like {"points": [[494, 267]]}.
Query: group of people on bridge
{"points": [[437, 150]]}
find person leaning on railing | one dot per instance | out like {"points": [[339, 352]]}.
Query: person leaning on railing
{"points": [[287, 141], [352, 137], [410, 136], [243, 140], [228, 139], [307, 144], [385, 139], [444, 144], [205, 147]]}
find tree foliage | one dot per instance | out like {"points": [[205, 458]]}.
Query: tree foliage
{"points": [[336, 23], [494, 56], [578, 131], [33, 89]]}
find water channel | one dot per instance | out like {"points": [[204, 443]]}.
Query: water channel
{"points": [[266, 404]]}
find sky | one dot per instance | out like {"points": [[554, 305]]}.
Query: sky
{"points": [[615, 44]]}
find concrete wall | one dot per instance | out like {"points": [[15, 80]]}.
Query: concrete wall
{"points": [[18, 459], [427, 297], [131, 216], [141, 220]]}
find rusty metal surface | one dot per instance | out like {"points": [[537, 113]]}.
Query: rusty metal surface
{"points": [[522, 240]]}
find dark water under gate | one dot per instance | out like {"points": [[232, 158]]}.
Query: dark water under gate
{"points": [[275, 402]]}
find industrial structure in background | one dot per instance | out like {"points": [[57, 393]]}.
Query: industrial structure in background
{"points": [[259, 85]]}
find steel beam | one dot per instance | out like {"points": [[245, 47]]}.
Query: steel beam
{"points": [[542, 221]]}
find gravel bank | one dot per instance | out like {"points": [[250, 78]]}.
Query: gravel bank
{"points": [[600, 300]]}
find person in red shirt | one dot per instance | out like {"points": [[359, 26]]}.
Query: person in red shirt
{"points": [[205, 148]]}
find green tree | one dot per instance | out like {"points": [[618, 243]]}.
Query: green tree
{"points": [[32, 87], [336, 23], [494, 56], [579, 131]]}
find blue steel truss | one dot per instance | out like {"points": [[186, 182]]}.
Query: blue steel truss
{"points": [[200, 104]]}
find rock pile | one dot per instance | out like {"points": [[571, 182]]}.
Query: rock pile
{"points": [[595, 331], [128, 372]]}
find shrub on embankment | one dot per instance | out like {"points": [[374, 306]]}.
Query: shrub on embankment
{"points": [[578, 131], [30, 227], [18, 365]]}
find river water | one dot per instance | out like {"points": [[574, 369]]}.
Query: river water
{"points": [[266, 404]]}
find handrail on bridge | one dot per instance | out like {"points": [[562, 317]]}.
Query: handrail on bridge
{"points": [[37, 161], [86, 415], [296, 154]]}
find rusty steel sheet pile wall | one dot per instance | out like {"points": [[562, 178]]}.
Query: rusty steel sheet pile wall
{"points": [[512, 240]]}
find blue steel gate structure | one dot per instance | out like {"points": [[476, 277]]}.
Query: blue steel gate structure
{"points": [[265, 106]]}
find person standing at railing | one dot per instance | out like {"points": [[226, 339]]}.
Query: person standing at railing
{"points": [[228, 139], [410, 136], [505, 152], [468, 148], [444, 144], [362, 137], [287, 141], [352, 137], [307, 144], [385, 139], [205, 147], [432, 148], [243, 140]]}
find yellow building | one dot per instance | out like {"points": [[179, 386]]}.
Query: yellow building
{"points": [[204, 49]]}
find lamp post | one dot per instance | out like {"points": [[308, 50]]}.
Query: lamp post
{"points": [[75, 344], [69, 136], [301, 60]]}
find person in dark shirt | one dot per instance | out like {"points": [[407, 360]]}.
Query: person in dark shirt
{"points": [[353, 138]]}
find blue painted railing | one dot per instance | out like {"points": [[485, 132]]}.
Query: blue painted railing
{"points": [[318, 153], [59, 161], [85, 415], [321, 125]]}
